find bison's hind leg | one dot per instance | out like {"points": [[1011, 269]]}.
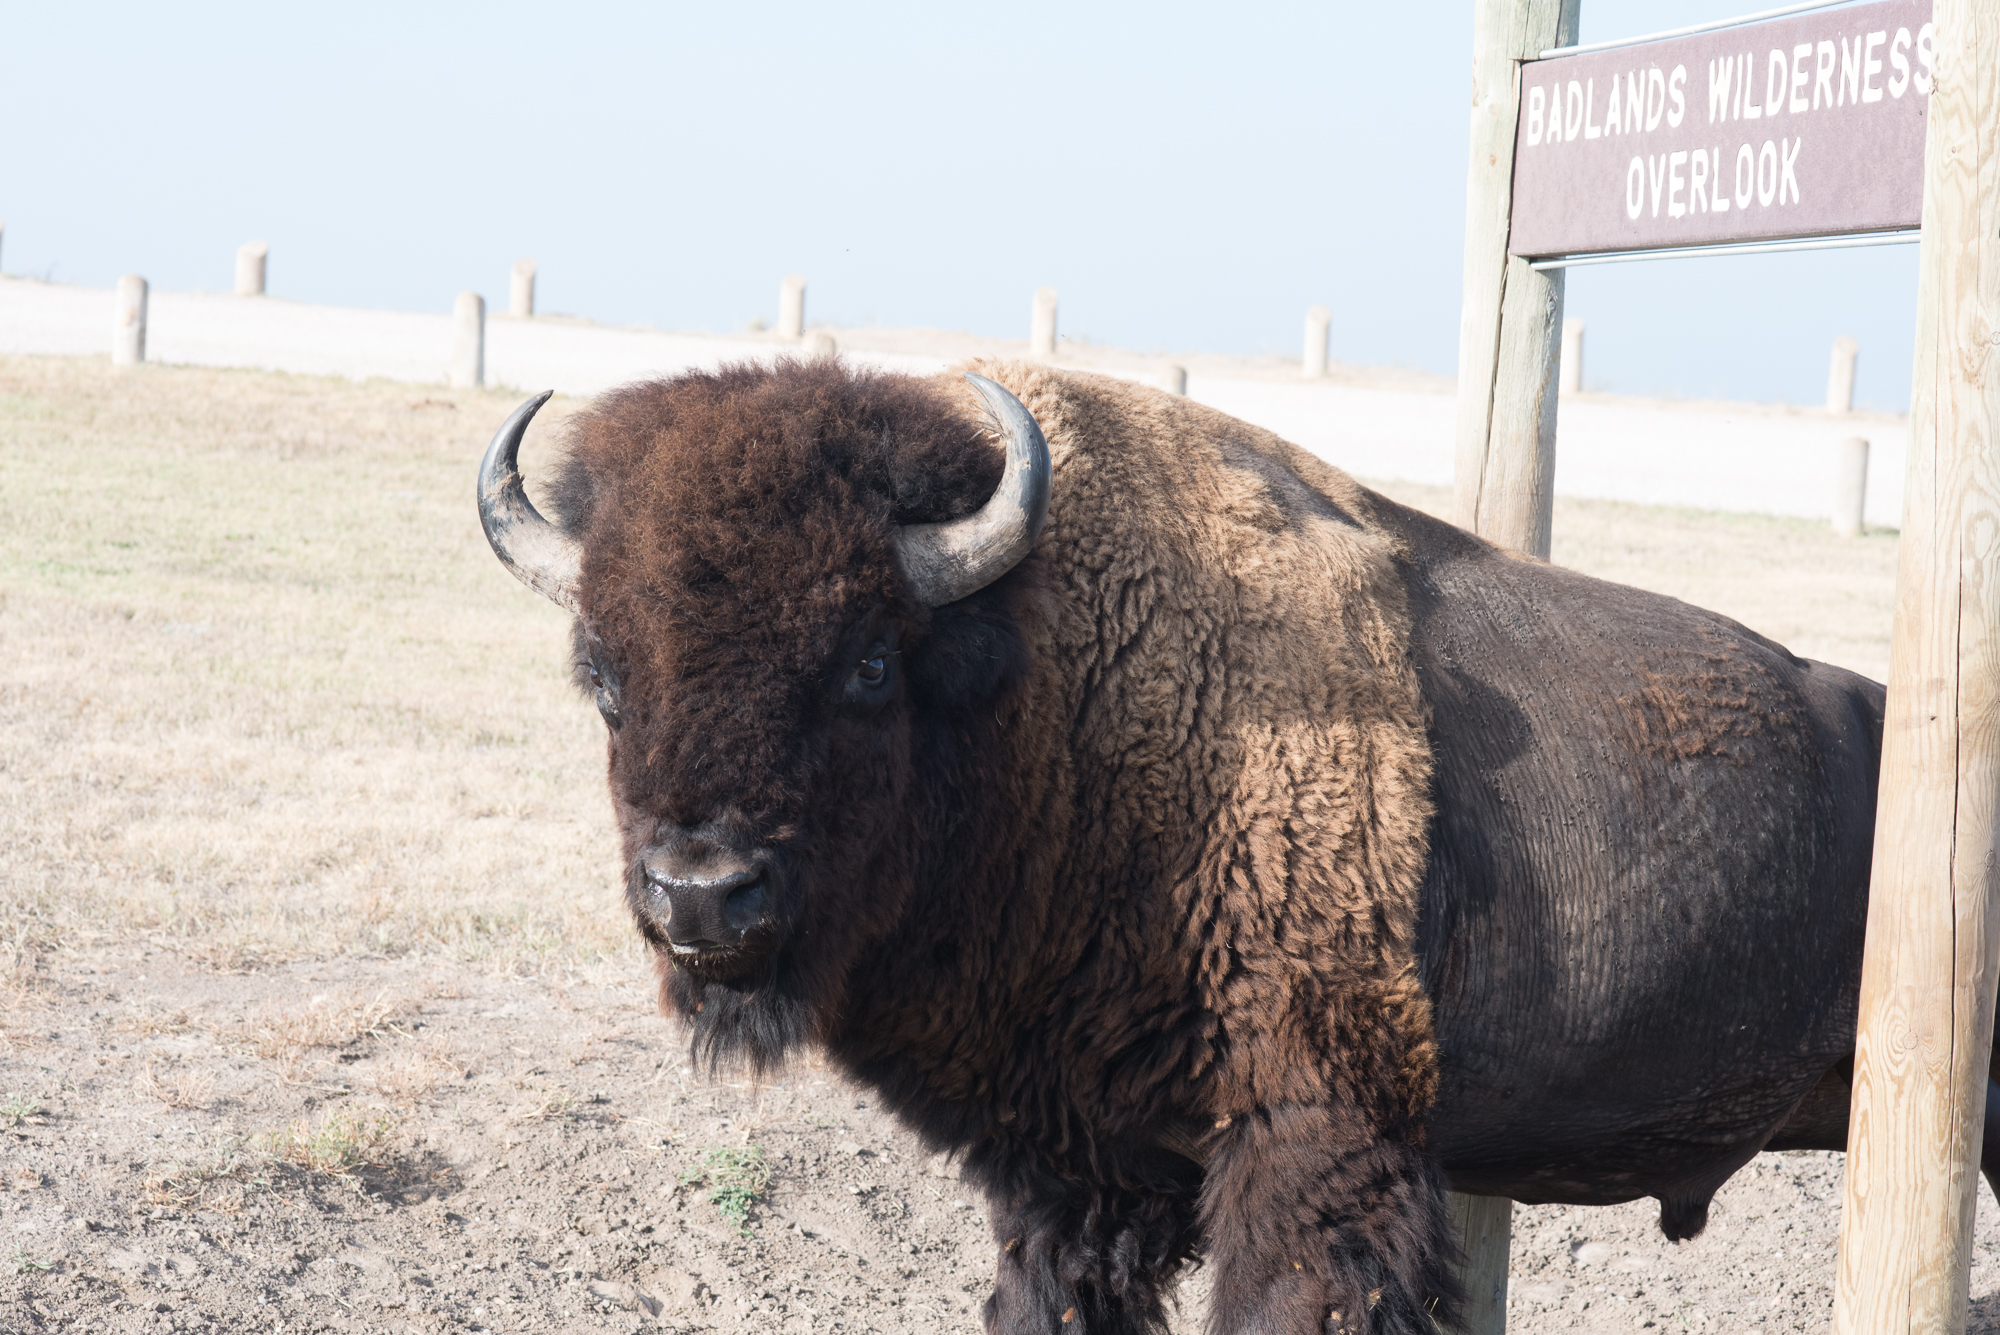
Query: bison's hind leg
{"points": [[1820, 1120]]}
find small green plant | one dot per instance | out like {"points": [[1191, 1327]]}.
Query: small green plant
{"points": [[736, 1177], [26, 1264], [338, 1144], [19, 1108]]}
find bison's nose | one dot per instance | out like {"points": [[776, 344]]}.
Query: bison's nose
{"points": [[711, 902]]}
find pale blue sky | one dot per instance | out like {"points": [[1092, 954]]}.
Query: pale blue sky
{"points": [[1190, 178]]}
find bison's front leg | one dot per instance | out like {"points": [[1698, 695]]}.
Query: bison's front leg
{"points": [[1315, 1224], [1078, 1257]]}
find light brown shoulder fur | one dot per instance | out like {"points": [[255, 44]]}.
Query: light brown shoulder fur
{"points": [[1233, 647]]}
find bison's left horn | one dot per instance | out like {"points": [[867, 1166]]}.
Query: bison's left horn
{"points": [[945, 562], [542, 556]]}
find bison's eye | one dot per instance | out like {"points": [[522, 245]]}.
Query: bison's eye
{"points": [[605, 689], [872, 679]]}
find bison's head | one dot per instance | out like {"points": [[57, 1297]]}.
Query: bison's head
{"points": [[786, 611]]}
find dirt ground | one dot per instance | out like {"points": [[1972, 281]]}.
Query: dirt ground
{"points": [[317, 1010]]}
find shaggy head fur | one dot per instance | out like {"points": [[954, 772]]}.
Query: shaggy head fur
{"points": [[737, 530], [1123, 857]]}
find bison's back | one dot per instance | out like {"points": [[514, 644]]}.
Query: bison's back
{"points": [[1642, 919]]}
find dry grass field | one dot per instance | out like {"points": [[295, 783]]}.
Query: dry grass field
{"points": [[262, 694], [320, 1007]]}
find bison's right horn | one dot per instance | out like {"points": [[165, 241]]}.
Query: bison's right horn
{"points": [[542, 556], [945, 562]]}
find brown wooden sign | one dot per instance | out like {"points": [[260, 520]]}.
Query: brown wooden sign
{"points": [[1798, 127]]}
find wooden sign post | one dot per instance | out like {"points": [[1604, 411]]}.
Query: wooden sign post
{"points": [[1510, 323], [1509, 346], [1927, 981], [1797, 132]]}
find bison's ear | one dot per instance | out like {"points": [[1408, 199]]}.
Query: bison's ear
{"points": [[973, 652]]}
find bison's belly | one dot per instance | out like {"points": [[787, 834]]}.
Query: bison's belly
{"points": [[1643, 916]]}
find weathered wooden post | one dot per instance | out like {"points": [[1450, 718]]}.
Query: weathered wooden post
{"points": [[1509, 330], [792, 308], [1042, 324], [128, 323], [1485, 1230], [1850, 487], [521, 290], [1511, 320], [1840, 375], [1572, 359], [1927, 977], [468, 341], [1173, 379], [1318, 321], [250, 258]]}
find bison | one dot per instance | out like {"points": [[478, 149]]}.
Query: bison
{"points": [[1223, 859]]}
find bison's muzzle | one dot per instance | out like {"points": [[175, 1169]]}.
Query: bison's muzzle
{"points": [[705, 895]]}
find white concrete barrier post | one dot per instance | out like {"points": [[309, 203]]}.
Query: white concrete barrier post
{"points": [[1571, 379], [1173, 379], [792, 308], [1042, 324], [1850, 487], [468, 341], [1840, 376], [521, 291], [1318, 320], [250, 258], [128, 327]]}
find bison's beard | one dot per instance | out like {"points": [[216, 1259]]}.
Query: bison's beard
{"points": [[757, 1006], [757, 1019], [749, 1004], [791, 982]]}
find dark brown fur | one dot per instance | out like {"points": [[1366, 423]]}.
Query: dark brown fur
{"points": [[1129, 860]]}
